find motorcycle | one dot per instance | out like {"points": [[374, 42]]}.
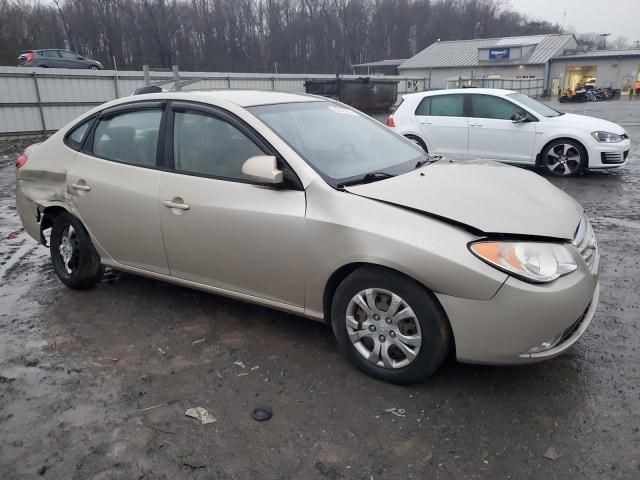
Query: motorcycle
{"points": [[578, 95]]}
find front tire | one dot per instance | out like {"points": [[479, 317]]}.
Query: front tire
{"points": [[563, 158], [93, 67], [389, 326], [75, 260]]}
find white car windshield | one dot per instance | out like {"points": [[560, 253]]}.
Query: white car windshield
{"points": [[340, 143], [534, 105]]}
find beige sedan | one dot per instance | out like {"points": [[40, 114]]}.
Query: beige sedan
{"points": [[305, 205]]}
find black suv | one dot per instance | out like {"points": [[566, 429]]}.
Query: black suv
{"points": [[55, 58]]}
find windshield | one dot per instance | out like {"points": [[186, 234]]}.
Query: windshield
{"points": [[535, 105], [338, 142]]}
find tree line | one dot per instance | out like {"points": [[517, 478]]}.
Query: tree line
{"points": [[287, 36]]}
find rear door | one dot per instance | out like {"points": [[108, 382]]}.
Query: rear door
{"points": [[50, 58], [443, 124], [228, 232], [492, 133], [113, 183]]}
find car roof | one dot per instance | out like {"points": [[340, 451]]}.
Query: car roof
{"points": [[242, 98], [499, 92]]}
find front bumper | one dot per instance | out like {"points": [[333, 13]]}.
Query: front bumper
{"points": [[609, 155], [520, 317]]}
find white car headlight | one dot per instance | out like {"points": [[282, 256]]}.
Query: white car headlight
{"points": [[535, 262], [607, 137]]}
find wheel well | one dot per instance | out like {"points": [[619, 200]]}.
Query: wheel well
{"points": [[343, 272], [416, 137], [586, 153], [46, 222]]}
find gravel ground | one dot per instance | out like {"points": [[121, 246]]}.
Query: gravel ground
{"points": [[95, 384]]}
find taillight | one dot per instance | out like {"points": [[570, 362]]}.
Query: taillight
{"points": [[30, 56], [390, 123], [21, 160]]}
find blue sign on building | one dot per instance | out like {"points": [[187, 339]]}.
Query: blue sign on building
{"points": [[498, 53]]}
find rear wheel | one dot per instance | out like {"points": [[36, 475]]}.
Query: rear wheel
{"points": [[93, 67], [75, 260], [389, 326], [563, 158]]}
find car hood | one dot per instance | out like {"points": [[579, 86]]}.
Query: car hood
{"points": [[589, 123], [487, 196]]}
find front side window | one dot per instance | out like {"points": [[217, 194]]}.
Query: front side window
{"points": [[442, 106], [487, 106], [207, 145], [68, 55], [535, 105], [339, 142], [129, 137]]}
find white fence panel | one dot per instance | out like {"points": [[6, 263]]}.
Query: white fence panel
{"points": [[36, 100]]}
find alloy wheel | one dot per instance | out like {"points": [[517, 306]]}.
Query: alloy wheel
{"points": [[563, 159], [68, 249], [383, 328]]}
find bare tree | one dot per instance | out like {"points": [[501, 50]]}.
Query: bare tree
{"points": [[252, 35]]}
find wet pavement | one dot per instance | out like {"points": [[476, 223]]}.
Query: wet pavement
{"points": [[95, 384]]}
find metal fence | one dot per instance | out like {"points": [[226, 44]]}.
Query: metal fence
{"points": [[534, 87], [39, 100]]}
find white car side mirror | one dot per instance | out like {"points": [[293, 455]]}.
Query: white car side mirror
{"points": [[263, 169]]}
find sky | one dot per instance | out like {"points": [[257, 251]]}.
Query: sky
{"points": [[620, 18]]}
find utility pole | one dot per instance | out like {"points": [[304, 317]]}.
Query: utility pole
{"points": [[604, 40]]}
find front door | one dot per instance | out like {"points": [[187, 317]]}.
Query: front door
{"points": [[443, 124], [494, 136], [220, 229], [113, 183]]}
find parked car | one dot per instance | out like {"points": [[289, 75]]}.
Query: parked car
{"points": [[305, 205], [56, 58], [510, 127]]}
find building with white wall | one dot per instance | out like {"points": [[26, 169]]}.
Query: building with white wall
{"points": [[457, 63], [617, 69]]}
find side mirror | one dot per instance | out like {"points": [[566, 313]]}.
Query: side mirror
{"points": [[263, 169], [79, 58], [519, 118]]}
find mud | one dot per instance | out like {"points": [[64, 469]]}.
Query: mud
{"points": [[79, 372]]}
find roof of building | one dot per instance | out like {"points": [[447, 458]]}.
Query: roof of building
{"points": [[391, 62], [632, 52], [464, 53]]}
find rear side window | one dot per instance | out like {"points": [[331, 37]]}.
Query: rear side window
{"points": [[49, 53], [130, 137], [487, 106], [76, 136], [206, 145], [442, 106]]}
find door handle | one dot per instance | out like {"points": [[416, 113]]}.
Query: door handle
{"points": [[475, 125], [425, 122], [179, 206], [81, 186]]}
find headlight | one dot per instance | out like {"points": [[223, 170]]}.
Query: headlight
{"points": [[531, 261], [607, 137]]}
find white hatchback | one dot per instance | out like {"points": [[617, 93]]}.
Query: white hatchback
{"points": [[510, 127]]}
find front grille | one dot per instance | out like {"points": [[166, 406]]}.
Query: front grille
{"points": [[614, 157], [585, 242]]}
